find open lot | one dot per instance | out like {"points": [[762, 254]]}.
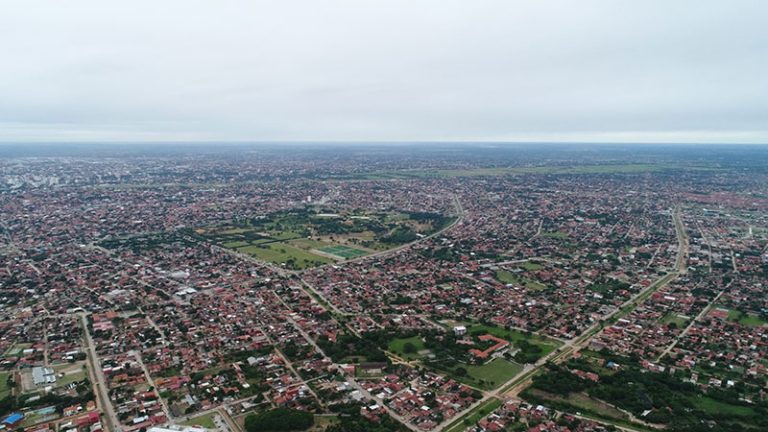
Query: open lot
{"points": [[670, 317], [507, 277], [205, 421], [489, 375], [16, 349], [283, 253], [584, 403], [555, 234], [531, 266], [5, 390], [714, 407], [746, 319], [398, 346], [322, 422]]}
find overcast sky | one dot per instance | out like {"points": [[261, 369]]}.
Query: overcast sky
{"points": [[536, 70]]}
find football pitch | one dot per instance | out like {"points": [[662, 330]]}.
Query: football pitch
{"points": [[345, 252]]}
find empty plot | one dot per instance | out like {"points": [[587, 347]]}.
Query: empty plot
{"points": [[281, 253]]}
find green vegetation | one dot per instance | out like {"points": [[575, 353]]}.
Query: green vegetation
{"points": [[608, 287], [16, 349], [474, 416], [304, 237], [235, 244], [83, 391], [456, 360], [582, 402], [5, 381], [673, 319], [342, 251], [141, 243], [745, 319], [517, 337], [487, 376], [356, 349], [70, 377], [279, 419], [710, 405], [507, 277], [531, 266], [555, 234], [658, 398], [407, 348], [205, 421], [350, 420], [543, 170], [281, 253], [324, 421]]}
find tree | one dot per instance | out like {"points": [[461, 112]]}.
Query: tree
{"points": [[409, 348], [279, 419]]}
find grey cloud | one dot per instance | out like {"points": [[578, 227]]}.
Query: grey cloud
{"points": [[384, 70]]}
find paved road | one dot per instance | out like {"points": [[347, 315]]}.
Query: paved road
{"points": [[351, 379], [100, 384], [681, 263], [512, 388], [693, 322], [137, 356]]}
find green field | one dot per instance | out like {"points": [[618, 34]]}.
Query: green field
{"points": [[714, 407], [490, 375], [304, 243], [397, 346], [205, 421], [583, 402], [4, 389], [507, 277], [284, 254], [555, 234], [670, 317], [16, 349], [745, 319], [235, 244], [71, 375], [235, 231], [531, 266], [342, 251]]}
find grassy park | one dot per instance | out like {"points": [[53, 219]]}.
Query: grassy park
{"points": [[306, 237], [746, 319], [507, 277], [488, 376], [205, 421], [407, 348], [5, 390]]}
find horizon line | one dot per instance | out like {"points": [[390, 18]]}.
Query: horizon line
{"points": [[374, 142]]}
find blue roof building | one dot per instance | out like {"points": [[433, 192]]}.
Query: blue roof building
{"points": [[13, 419]]}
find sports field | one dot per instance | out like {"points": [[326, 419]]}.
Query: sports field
{"points": [[342, 251]]}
